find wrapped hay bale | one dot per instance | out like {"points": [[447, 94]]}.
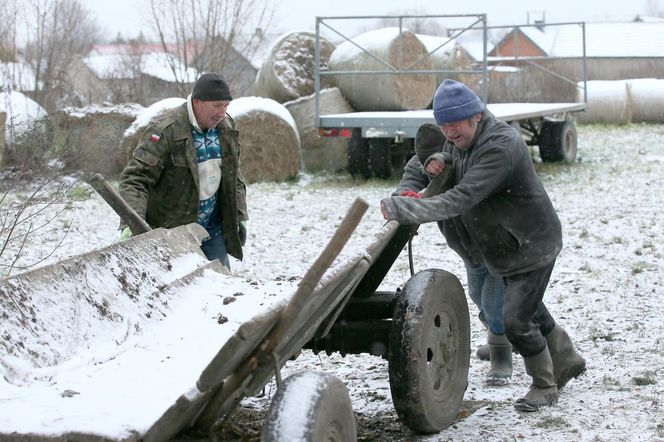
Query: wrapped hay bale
{"points": [[269, 139], [320, 153], [609, 102], [647, 100], [447, 55], [384, 92], [134, 131], [92, 137], [288, 71]]}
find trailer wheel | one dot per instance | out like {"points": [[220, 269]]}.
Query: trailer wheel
{"points": [[557, 141], [385, 159], [358, 154], [429, 351], [310, 406]]}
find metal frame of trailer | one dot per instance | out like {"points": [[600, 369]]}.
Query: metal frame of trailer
{"points": [[380, 142]]}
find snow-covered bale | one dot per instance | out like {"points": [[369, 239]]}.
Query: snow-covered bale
{"points": [[384, 92], [92, 137], [269, 138], [320, 153], [133, 133], [288, 71], [446, 55]]}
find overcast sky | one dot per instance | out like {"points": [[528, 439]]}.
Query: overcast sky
{"points": [[127, 16]]}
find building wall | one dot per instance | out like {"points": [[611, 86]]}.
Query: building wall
{"points": [[534, 84]]}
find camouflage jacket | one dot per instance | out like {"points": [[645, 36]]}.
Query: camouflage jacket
{"points": [[160, 181]]}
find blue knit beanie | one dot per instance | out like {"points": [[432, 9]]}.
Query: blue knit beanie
{"points": [[453, 101]]}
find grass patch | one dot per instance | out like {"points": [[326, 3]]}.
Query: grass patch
{"points": [[80, 192], [552, 422], [646, 378]]}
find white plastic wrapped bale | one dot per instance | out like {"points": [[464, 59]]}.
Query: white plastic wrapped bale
{"points": [[382, 92], [320, 153], [269, 138], [288, 71], [609, 102], [647, 100]]}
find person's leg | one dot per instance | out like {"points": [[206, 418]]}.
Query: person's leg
{"points": [[493, 294], [525, 316], [500, 349], [215, 248], [476, 276]]}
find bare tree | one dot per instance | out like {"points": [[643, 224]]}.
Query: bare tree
{"points": [[28, 215], [56, 31], [210, 35], [653, 9], [8, 18]]}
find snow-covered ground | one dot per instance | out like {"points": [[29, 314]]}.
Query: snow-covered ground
{"points": [[606, 291]]}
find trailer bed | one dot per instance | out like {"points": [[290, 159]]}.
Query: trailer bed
{"points": [[383, 124]]}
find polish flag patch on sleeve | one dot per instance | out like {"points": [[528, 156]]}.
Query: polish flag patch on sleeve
{"points": [[154, 137]]}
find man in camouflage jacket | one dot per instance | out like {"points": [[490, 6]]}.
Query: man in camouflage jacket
{"points": [[186, 168]]}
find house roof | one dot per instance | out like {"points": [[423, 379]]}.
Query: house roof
{"points": [[630, 39], [155, 64]]}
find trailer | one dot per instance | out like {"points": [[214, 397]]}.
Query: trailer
{"points": [[381, 142], [192, 340]]}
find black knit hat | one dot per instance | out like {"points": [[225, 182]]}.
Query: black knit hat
{"points": [[429, 139], [211, 87]]}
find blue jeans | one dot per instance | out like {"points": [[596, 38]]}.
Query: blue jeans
{"points": [[488, 294], [215, 248]]}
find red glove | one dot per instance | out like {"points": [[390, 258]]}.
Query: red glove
{"points": [[410, 193]]}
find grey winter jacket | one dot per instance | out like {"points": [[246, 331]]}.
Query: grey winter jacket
{"points": [[497, 211]]}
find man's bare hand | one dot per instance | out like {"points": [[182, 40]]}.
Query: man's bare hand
{"points": [[383, 211], [434, 167]]}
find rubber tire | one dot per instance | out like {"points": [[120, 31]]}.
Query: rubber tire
{"points": [[358, 154], [326, 410], [385, 159], [429, 351], [557, 141]]}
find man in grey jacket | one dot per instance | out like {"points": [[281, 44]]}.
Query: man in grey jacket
{"points": [[485, 289], [509, 224]]}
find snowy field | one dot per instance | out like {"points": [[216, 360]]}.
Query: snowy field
{"points": [[606, 291]]}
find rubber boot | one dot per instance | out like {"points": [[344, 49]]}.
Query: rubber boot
{"points": [[543, 390], [500, 348], [567, 363], [483, 353]]}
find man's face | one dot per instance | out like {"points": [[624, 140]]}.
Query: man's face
{"points": [[209, 113], [462, 132]]}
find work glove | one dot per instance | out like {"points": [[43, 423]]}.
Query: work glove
{"points": [[242, 231], [125, 234], [410, 193]]}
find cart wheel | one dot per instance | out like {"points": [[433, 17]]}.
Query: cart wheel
{"points": [[310, 406], [358, 154], [557, 141], [429, 354], [385, 159]]}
